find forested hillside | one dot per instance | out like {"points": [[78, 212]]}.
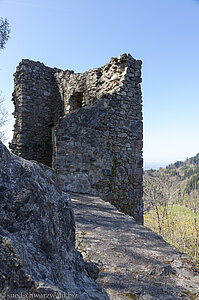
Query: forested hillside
{"points": [[171, 204]]}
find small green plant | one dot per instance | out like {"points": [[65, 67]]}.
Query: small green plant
{"points": [[110, 181], [114, 168], [79, 240]]}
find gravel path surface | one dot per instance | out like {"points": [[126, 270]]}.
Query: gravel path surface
{"points": [[134, 262]]}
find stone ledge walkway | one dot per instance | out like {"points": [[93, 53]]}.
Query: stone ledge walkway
{"points": [[134, 262]]}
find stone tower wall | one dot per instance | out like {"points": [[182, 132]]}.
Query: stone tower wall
{"points": [[92, 122], [38, 106]]}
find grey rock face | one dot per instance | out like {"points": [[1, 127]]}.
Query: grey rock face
{"points": [[37, 236], [92, 269]]}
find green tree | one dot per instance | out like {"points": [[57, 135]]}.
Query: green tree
{"points": [[4, 32]]}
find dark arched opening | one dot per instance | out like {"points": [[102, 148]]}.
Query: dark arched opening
{"points": [[75, 101]]}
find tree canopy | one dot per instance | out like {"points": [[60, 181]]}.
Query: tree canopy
{"points": [[4, 32]]}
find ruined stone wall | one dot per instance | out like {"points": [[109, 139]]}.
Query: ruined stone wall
{"points": [[38, 106], [98, 154], [98, 83], [97, 142]]}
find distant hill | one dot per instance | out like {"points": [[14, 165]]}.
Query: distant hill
{"points": [[154, 165], [176, 182]]}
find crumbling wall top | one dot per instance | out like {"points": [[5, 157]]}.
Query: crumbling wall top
{"points": [[105, 82]]}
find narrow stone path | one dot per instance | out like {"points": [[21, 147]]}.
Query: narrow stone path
{"points": [[134, 262]]}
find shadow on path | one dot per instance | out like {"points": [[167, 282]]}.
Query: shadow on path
{"points": [[135, 262]]}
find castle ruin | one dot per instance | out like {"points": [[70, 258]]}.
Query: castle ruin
{"points": [[86, 126]]}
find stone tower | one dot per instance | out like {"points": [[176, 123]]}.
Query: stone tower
{"points": [[86, 126]]}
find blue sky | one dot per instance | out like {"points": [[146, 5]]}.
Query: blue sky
{"points": [[84, 34]]}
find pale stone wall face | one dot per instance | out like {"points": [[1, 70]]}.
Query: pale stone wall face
{"points": [[96, 119]]}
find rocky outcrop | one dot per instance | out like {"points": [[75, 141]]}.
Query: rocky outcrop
{"points": [[37, 236]]}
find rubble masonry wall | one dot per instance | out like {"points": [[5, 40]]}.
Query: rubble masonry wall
{"points": [[87, 126]]}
